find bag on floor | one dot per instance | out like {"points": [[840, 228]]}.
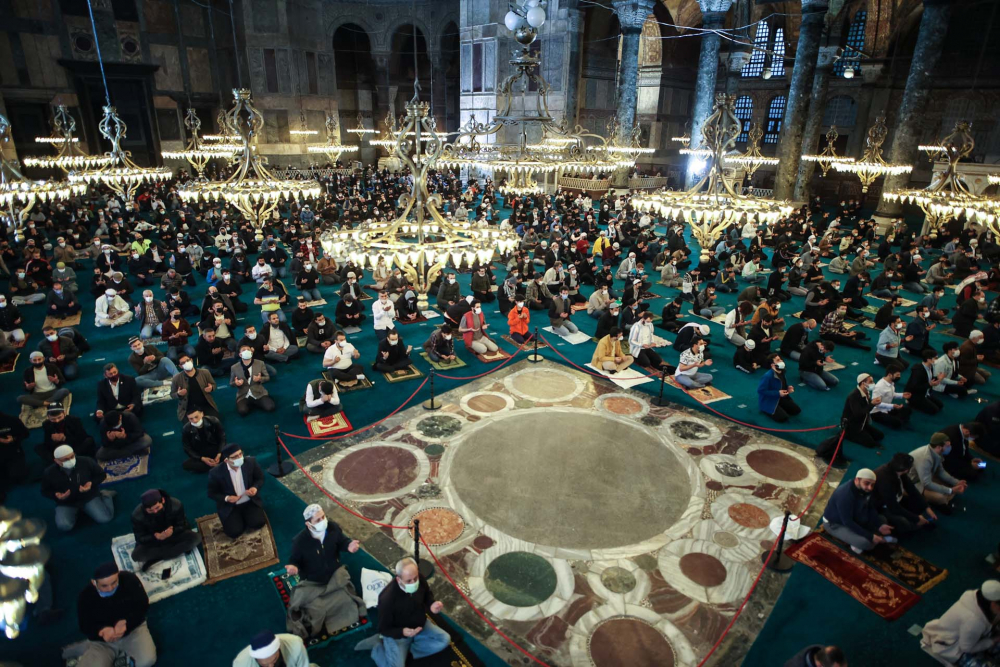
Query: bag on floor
{"points": [[372, 583]]}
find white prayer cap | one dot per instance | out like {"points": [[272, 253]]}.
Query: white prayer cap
{"points": [[704, 329], [863, 377], [750, 344], [991, 590], [866, 473], [312, 510], [975, 334], [61, 451], [110, 292]]}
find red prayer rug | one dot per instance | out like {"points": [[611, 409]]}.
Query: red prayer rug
{"points": [[322, 426]]}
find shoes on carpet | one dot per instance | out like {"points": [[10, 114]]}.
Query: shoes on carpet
{"points": [[857, 550]]}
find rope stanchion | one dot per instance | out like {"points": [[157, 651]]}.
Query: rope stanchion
{"points": [[659, 400], [781, 562], [279, 468], [534, 357], [424, 567], [432, 403]]}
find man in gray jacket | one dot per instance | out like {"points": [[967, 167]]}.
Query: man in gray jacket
{"points": [[928, 474]]}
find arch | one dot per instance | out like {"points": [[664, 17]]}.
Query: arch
{"points": [[401, 49], [396, 23], [359, 22], [353, 53], [775, 116]]}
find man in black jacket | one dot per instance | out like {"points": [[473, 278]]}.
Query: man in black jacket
{"points": [[121, 435], [961, 461], [117, 392], [112, 614], [63, 429], [393, 354], [203, 439], [43, 382], [235, 488], [920, 385], [989, 419], [73, 482], [897, 497], [402, 618], [211, 353], [320, 334], [857, 413], [13, 465], [161, 529]]}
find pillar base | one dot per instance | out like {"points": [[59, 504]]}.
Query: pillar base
{"points": [[883, 223]]}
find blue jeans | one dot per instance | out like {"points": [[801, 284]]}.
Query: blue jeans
{"points": [[101, 509], [696, 381], [392, 652], [824, 381], [915, 287], [711, 311], [265, 316], [165, 370], [174, 352], [311, 294], [882, 293], [597, 314], [148, 330], [565, 329]]}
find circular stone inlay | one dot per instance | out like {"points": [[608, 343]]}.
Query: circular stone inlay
{"points": [[544, 385], [621, 405], [487, 403], [627, 642], [688, 430], [727, 469], [520, 579], [440, 525], [618, 579], [574, 480], [777, 465], [725, 539], [376, 470], [434, 450], [439, 426], [749, 515], [703, 569]]}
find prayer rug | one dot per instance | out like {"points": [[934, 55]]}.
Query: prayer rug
{"points": [[320, 426], [705, 395], [492, 357], [420, 318], [366, 297], [868, 324], [577, 307], [901, 564], [530, 345], [443, 365], [284, 584], [186, 571], [156, 394], [903, 303], [58, 322], [625, 346], [951, 332], [352, 330], [129, 467], [301, 341], [9, 365], [316, 304], [35, 417], [650, 295], [573, 338], [19, 345], [798, 315], [430, 314], [718, 319], [627, 378], [851, 575], [226, 558], [872, 310], [833, 366], [403, 374], [346, 388]]}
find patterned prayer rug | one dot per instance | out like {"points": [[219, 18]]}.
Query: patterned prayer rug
{"points": [[156, 394], [705, 395], [35, 417], [345, 388], [59, 322], [420, 318], [403, 374], [851, 575], [492, 357], [530, 345], [316, 304], [226, 558], [186, 571], [320, 426], [833, 366], [129, 467], [441, 365], [901, 564], [20, 344], [9, 365], [284, 584], [870, 309], [718, 319]]}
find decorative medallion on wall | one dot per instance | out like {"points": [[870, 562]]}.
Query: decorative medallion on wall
{"points": [[128, 40]]}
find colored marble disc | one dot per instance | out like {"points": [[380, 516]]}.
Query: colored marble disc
{"points": [[520, 579], [376, 470], [628, 642]]}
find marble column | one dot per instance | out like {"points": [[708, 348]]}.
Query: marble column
{"points": [[574, 31], [631, 15], [933, 27], [713, 17], [814, 130], [792, 127], [734, 62]]}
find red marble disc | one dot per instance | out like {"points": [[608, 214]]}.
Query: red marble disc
{"points": [[629, 642], [749, 515], [777, 465], [376, 470], [703, 569], [621, 405], [439, 525]]}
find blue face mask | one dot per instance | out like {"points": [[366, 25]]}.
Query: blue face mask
{"points": [[947, 450], [107, 594], [411, 588]]}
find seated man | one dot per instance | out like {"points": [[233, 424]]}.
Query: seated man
{"points": [[43, 382], [961, 461], [608, 355], [560, 313], [966, 633], [473, 328], [811, 369], [161, 529], [152, 368], [744, 358], [852, 515], [884, 411], [280, 341], [642, 340], [403, 625], [936, 484], [267, 649], [121, 435], [111, 310], [60, 351], [248, 375], [392, 354], [440, 347], [833, 329], [112, 615], [325, 598], [74, 483], [117, 392], [898, 499], [688, 333], [211, 354], [61, 302], [348, 312], [235, 488], [774, 394], [339, 358], [691, 360], [203, 439], [320, 334], [63, 429], [519, 322], [321, 399]]}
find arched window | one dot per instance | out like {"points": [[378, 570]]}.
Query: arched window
{"points": [[775, 113], [744, 111], [778, 53], [855, 42], [841, 111], [755, 65]]}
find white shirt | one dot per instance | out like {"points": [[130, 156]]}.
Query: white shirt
{"points": [[383, 318], [313, 401], [258, 272], [346, 354], [236, 474], [886, 391], [277, 339], [42, 381], [689, 357], [639, 335]]}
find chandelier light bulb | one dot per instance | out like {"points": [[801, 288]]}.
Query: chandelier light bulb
{"points": [[849, 73], [536, 17], [766, 74], [513, 21]]}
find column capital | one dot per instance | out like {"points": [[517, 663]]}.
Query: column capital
{"points": [[827, 56], [735, 60], [632, 13], [814, 7], [713, 20]]}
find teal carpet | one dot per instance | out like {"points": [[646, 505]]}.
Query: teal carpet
{"points": [[209, 625]]}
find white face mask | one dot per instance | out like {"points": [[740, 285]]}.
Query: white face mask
{"points": [[236, 463], [309, 267], [62, 244], [319, 526], [447, 337], [198, 424], [451, 281], [520, 304], [188, 365], [780, 365], [52, 338], [148, 299], [70, 464], [246, 355], [252, 336], [392, 342], [477, 310]]}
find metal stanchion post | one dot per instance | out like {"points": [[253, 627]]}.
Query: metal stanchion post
{"points": [[659, 400], [534, 357], [425, 567], [433, 403], [279, 468], [779, 562]]}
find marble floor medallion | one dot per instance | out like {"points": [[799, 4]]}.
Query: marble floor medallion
{"points": [[376, 471], [622, 404]]}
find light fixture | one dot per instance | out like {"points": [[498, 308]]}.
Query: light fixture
{"points": [[333, 149], [766, 73], [198, 154], [22, 567], [361, 129], [303, 127], [751, 159], [872, 165], [251, 189], [848, 72], [828, 157], [70, 155]]}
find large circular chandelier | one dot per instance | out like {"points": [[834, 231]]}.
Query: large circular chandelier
{"points": [[752, 159], [714, 202], [828, 157], [70, 157], [199, 154], [872, 165], [361, 130], [949, 197], [18, 194], [420, 241], [251, 189], [333, 149]]}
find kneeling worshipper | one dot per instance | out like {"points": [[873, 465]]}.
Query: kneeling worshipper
{"points": [[403, 625], [235, 488], [325, 597], [440, 347], [112, 614], [851, 514], [641, 341], [897, 497], [203, 438], [63, 429], [74, 482], [121, 435], [393, 354], [321, 399], [267, 649], [774, 394], [966, 634], [473, 328], [111, 310], [161, 529]]}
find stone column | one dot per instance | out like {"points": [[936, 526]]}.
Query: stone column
{"points": [[574, 32], [631, 15], [792, 127], [734, 62], [814, 130], [933, 26], [713, 17]]}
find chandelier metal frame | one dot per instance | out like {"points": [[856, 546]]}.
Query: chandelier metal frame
{"points": [[872, 165], [22, 567], [70, 155], [828, 157], [752, 159], [199, 154], [333, 149]]}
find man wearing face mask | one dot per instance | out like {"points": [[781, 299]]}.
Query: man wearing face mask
{"points": [[267, 649], [325, 598], [235, 488], [60, 351], [440, 346], [203, 439], [10, 320], [833, 329], [177, 332], [111, 310], [151, 367], [599, 302], [192, 388], [608, 355], [383, 315], [121, 435], [161, 529], [857, 414], [918, 332], [885, 412], [44, 383], [774, 394], [151, 313], [938, 487], [229, 287], [852, 516], [967, 314], [473, 328], [392, 354], [449, 292], [307, 281], [60, 302], [248, 375], [112, 615], [403, 625], [73, 482]]}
